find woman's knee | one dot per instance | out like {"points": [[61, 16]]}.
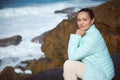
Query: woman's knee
{"points": [[67, 64]]}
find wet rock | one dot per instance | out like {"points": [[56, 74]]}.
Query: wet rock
{"points": [[69, 11], [116, 61], [66, 10], [14, 40], [8, 74], [52, 74], [39, 39]]}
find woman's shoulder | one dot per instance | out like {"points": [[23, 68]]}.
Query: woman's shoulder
{"points": [[94, 34]]}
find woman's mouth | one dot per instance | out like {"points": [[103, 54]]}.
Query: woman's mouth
{"points": [[81, 27]]}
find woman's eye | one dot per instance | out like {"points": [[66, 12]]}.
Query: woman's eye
{"points": [[78, 20], [84, 19]]}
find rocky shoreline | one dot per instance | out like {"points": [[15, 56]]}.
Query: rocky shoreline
{"points": [[14, 40], [55, 45]]}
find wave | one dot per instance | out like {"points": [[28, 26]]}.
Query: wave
{"points": [[45, 8], [31, 10]]}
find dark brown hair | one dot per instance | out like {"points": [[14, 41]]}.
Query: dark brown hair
{"points": [[89, 11]]}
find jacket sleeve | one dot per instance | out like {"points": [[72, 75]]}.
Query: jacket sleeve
{"points": [[78, 51]]}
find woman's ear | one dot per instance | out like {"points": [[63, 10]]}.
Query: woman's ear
{"points": [[93, 20]]}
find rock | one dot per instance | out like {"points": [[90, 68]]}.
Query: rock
{"points": [[55, 46], [66, 10], [14, 40], [69, 11], [42, 64], [39, 38], [55, 42], [52, 74], [107, 21], [8, 74], [116, 61]]}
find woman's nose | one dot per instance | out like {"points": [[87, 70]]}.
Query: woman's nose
{"points": [[81, 23]]}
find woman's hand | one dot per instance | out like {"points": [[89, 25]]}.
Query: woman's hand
{"points": [[80, 32]]}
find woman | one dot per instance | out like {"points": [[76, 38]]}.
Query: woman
{"points": [[88, 56]]}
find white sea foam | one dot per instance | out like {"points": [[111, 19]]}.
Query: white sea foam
{"points": [[28, 72], [46, 8], [17, 70], [32, 10]]}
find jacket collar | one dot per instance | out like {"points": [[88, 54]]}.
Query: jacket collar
{"points": [[92, 27]]}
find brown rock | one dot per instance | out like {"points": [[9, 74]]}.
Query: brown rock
{"points": [[56, 40], [108, 22], [52, 74], [69, 11], [116, 61], [8, 74], [39, 38], [113, 42], [66, 10], [14, 40], [55, 46]]}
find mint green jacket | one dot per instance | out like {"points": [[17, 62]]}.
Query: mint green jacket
{"points": [[91, 49]]}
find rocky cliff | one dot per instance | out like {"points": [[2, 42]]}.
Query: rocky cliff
{"points": [[108, 22]]}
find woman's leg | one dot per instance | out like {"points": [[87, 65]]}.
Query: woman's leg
{"points": [[73, 70]]}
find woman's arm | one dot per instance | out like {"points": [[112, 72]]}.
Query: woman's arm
{"points": [[78, 51]]}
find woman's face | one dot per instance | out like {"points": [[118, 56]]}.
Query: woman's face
{"points": [[84, 21]]}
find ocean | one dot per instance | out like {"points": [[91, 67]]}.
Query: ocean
{"points": [[30, 18]]}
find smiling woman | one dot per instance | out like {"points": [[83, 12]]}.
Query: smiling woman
{"points": [[88, 56], [85, 19]]}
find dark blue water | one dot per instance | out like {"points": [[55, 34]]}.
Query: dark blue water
{"points": [[19, 3]]}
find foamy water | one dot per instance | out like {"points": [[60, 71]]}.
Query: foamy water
{"points": [[29, 22]]}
